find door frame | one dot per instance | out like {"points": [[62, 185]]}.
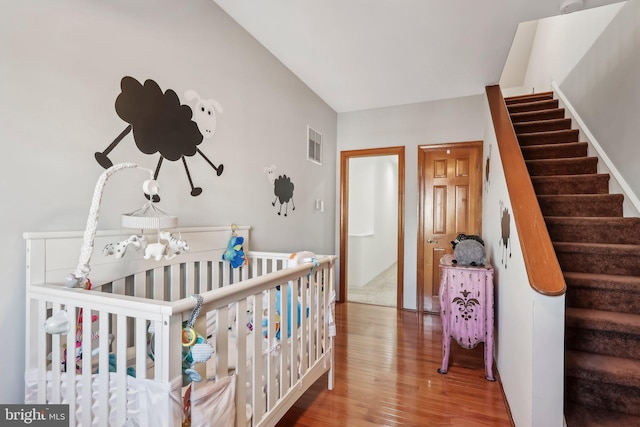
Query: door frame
{"points": [[344, 215], [423, 151]]}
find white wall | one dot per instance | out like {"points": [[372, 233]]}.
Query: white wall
{"points": [[561, 41], [60, 69], [604, 89], [437, 122], [529, 339]]}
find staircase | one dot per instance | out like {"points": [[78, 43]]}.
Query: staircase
{"points": [[599, 254]]}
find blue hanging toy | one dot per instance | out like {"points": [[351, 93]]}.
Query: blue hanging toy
{"points": [[234, 253]]}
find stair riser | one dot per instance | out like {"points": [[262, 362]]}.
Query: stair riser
{"points": [[593, 234], [608, 300], [603, 342], [554, 151], [560, 137], [534, 106], [530, 97], [597, 262], [542, 126], [587, 208], [532, 116], [588, 165], [572, 186], [619, 398]]}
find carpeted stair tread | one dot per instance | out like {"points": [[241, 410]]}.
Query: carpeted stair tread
{"points": [[594, 229], [588, 416], [544, 104], [528, 116], [603, 281], [542, 126], [572, 166], [528, 97], [598, 257], [582, 205], [571, 184], [601, 320], [599, 248], [550, 137], [555, 151], [607, 369]]}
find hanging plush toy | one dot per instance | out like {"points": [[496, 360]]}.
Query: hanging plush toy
{"points": [[234, 253]]}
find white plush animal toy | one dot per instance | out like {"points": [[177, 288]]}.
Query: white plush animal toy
{"points": [[298, 258], [119, 249], [176, 245], [157, 251]]}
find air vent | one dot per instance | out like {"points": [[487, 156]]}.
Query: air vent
{"points": [[314, 146]]}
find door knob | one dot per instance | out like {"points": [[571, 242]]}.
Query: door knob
{"points": [[432, 241]]}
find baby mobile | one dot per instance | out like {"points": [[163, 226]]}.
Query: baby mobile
{"points": [[148, 217]]}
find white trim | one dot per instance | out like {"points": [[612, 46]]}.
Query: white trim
{"points": [[628, 192]]}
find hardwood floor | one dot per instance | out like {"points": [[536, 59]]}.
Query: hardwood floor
{"points": [[386, 365]]}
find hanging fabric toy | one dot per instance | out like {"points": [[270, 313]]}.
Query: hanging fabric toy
{"points": [[195, 348], [234, 253]]}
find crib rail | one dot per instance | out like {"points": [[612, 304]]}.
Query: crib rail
{"points": [[116, 320]]}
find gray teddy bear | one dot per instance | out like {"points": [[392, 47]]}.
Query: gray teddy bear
{"points": [[468, 250]]}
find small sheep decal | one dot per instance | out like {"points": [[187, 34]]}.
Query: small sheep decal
{"points": [[505, 224], [282, 188], [161, 124]]}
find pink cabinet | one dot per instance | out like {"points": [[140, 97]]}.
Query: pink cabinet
{"points": [[466, 310]]}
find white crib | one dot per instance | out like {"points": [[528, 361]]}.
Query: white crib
{"points": [[133, 318]]}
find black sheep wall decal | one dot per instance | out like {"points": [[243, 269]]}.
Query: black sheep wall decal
{"points": [[505, 225], [282, 188], [161, 124]]}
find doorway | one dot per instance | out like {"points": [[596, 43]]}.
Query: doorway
{"points": [[372, 223], [450, 202]]}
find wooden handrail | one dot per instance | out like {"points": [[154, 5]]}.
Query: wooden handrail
{"points": [[541, 263]]}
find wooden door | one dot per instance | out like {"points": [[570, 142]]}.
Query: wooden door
{"points": [[450, 189]]}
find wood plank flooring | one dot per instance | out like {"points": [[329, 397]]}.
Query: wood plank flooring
{"points": [[386, 365]]}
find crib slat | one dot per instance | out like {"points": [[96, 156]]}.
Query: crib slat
{"points": [[203, 284], [121, 370], [42, 351], [55, 361], [222, 343], [190, 279], [256, 380], [86, 387], [160, 344], [304, 327], [241, 363], [157, 284], [225, 274], [71, 366], [215, 274], [103, 366], [271, 366], [141, 347], [119, 287], [313, 317], [174, 283], [285, 316], [294, 351], [140, 285]]}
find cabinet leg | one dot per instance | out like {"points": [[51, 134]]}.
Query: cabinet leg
{"points": [[446, 346]]}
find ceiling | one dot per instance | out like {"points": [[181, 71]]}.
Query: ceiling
{"points": [[361, 54]]}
